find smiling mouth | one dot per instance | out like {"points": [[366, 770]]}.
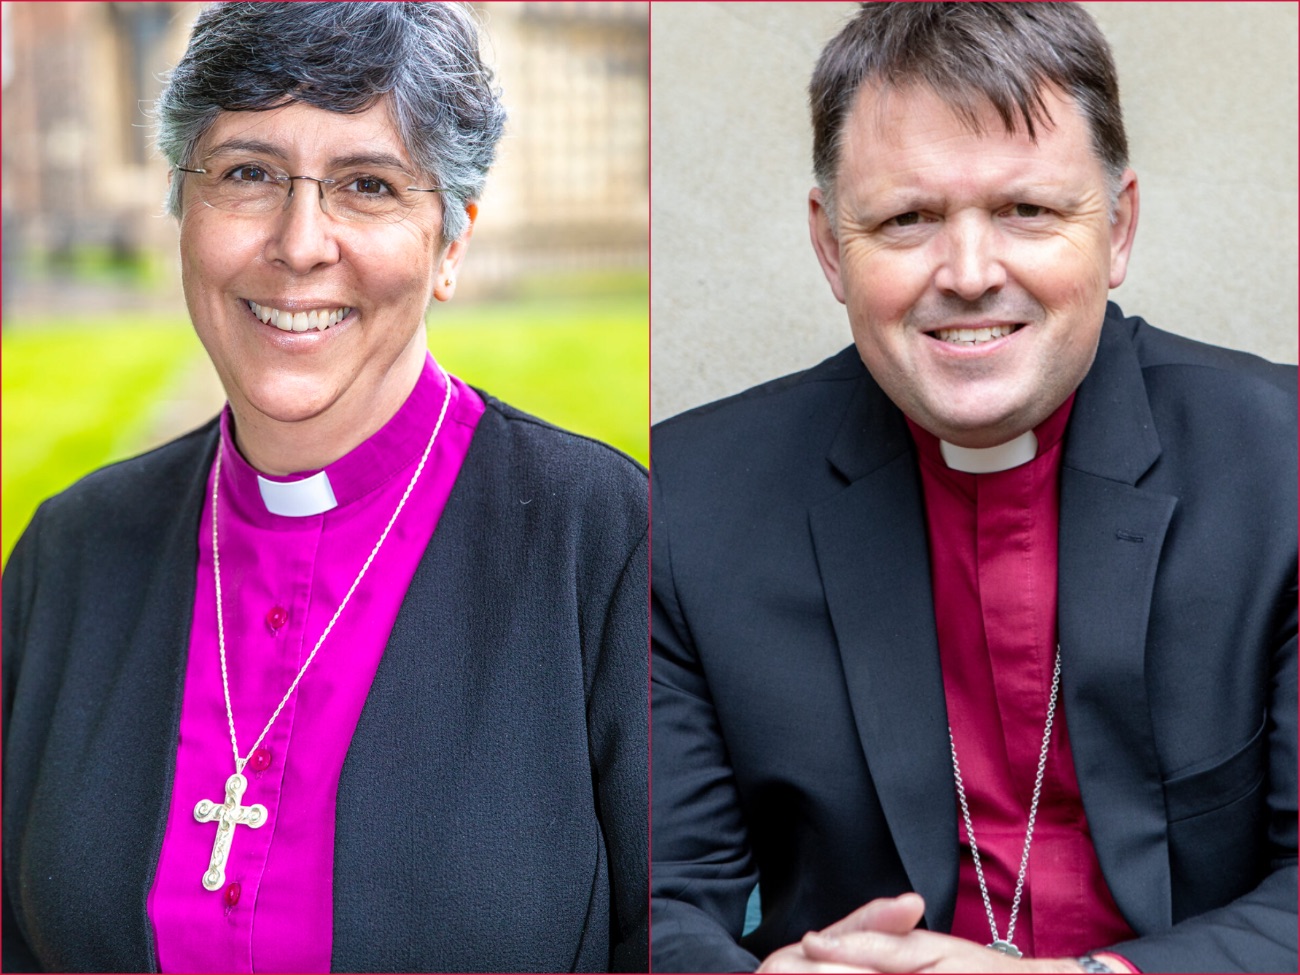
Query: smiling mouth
{"points": [[974, 336], [287, 321]]}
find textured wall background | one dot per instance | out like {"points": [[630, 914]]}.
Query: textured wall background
{"points": [[737, 297]]}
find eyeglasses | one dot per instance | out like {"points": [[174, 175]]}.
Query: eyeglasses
{"points": [[251, 187]]}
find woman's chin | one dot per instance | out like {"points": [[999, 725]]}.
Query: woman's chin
{"points": [[285, 405]]}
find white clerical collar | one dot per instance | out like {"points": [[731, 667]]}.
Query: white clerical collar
{"points": [[311, 496], [990, 460]]}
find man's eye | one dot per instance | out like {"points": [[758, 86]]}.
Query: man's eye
{"points": [[1028, 210], [909, 219]]}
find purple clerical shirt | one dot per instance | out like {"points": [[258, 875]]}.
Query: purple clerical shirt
{"points": [[282, 579], [993, 552]]}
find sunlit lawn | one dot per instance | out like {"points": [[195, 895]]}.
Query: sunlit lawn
{"points": [[80, 394]]}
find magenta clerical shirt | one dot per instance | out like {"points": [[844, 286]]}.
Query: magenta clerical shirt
{"points": [[282, 578], [993, 549]]}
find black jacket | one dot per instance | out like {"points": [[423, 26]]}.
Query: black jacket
{"points": [[492, 808], [798, 708]]}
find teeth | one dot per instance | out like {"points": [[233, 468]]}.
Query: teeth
{"points": [[316, 320], [973, 336]]}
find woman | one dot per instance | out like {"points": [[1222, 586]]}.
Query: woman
{"points": [[354, 677]]}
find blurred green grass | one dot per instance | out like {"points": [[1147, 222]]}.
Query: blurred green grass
{"points": [[79, 394]]}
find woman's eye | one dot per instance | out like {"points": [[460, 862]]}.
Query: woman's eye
{"points": [[369, 185], [1028, 210], [250, 174]]}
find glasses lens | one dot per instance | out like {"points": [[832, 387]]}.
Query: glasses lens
{"points": [[371, 198], [257, 188], [246, 188]]}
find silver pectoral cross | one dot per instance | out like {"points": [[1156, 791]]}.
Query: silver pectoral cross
{"points": [[228, 815]]}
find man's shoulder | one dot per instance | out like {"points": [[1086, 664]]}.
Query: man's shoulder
{"points": [[1196, 389], [1159, 350], [797, 403]]}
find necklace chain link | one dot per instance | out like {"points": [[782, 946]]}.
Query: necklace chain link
{"points": [[216, 572], [1029, 829]]}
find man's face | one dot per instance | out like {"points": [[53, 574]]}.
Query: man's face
{"points": [[975, 267]]}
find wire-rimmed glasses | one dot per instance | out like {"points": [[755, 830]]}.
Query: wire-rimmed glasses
{"points": [[371, 195]]}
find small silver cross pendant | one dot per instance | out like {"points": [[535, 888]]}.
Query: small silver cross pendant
{"points": [[228, 815]]}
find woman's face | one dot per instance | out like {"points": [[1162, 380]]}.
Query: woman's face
{"points": [[335, 385]]}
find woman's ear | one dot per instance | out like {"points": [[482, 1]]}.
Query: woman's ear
{"points": [[445, 285]]}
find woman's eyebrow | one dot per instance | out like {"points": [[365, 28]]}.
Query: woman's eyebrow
{"points": [[247, 145], [368, 157], [371, 158]]}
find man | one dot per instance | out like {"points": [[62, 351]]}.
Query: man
{"points": [[998, 606]]}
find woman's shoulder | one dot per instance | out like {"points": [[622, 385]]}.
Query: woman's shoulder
{"points": [[148, 483], [522, 446]]}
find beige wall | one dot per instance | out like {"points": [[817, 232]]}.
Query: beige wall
{"points": [[737, 297]]}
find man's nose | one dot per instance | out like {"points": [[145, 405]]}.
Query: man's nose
{"points": [[302, 235], [971, 265]]}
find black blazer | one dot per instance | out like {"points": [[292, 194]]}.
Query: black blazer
{"points": [[492, 808], [798, 710]]}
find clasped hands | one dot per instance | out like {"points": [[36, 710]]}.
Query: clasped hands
{"points": [[882, 936]]}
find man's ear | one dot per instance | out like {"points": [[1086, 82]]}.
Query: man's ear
{"points": [[445, 285], [1123, 227], [824, 242]]}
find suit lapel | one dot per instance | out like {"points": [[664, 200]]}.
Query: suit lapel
{"points": [[870, 543], [1111, 535]]}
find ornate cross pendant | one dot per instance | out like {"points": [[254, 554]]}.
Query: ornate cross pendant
{"points": [[1006, 947], [228, 815]]}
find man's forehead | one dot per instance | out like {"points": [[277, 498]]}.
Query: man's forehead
{"points": [[893, 131], [882, 112]]}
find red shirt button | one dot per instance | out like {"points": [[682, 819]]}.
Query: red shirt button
{"points": [[277, 617], [260, 760], [232, 894]]}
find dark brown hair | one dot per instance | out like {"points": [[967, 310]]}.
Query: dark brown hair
{"points": [[971, 55]]}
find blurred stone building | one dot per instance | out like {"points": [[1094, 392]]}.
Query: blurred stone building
{"points": [[80, 176]]}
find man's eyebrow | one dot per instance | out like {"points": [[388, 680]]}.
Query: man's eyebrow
{"points": [[370, 157], [896, 200]]}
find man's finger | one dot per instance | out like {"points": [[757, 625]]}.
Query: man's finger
{"points": [[874, 950], [916, 951], [792, 959], [896, 915]]}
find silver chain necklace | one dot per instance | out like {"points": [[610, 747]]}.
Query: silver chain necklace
{"points": [[231, 813], [1005, 945]]}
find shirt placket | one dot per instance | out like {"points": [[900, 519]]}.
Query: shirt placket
{"points": [[274, 603]]}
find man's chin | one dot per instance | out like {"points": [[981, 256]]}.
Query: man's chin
{"points": [[977, 429]]}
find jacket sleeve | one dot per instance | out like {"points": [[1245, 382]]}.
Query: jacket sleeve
{"points": [[1257, 931], [617, 722], [702, 871], [17, 954]]}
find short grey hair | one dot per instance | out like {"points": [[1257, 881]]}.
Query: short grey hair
{"points": [[971, 55], [344, 57]]}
